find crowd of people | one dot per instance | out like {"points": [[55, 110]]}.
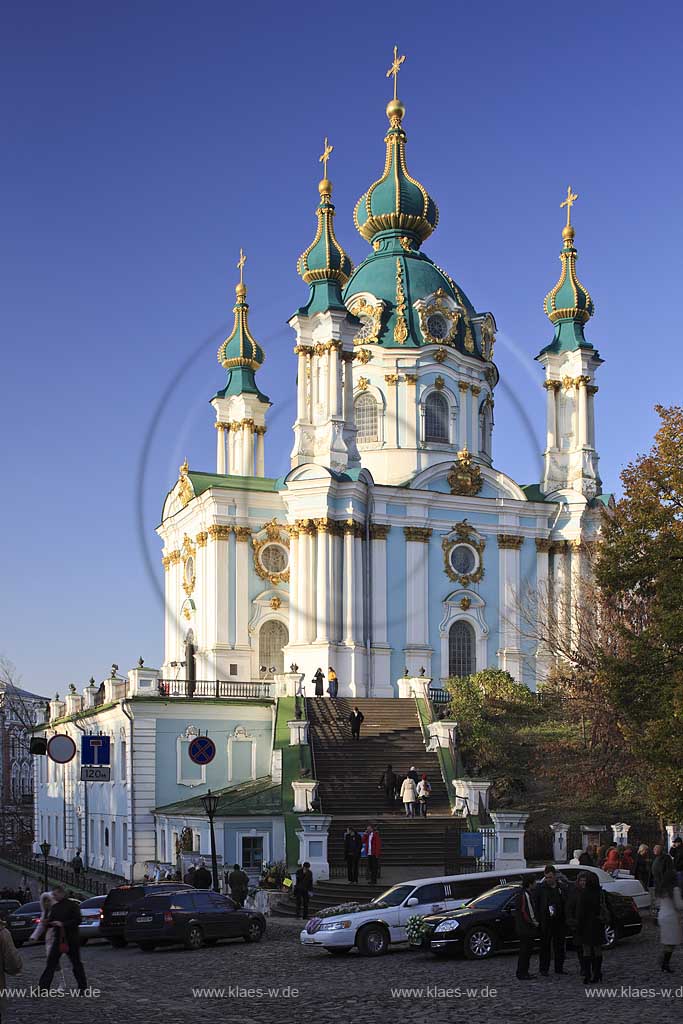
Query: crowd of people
{"points": [[646, 865], [412, 790]]}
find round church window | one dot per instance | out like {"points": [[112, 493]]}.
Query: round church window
{"points": [[274, 558], [464, 559], [437, 325], [367, 328]]}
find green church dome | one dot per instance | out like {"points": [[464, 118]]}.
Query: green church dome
{"points": [[240, 353]]}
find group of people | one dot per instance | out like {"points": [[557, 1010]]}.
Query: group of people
{"points": [[362, 846], [22, 893], [413, 790], [647, 866]]}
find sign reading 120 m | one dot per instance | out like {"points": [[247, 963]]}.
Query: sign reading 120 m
{"points": [[95, 759]]}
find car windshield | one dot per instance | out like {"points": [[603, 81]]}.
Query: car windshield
{"points": [[493, 899], [395, 896], [29, 908]]}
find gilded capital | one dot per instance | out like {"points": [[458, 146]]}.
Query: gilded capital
{"points": [[417, 533], [558, 547], [543, 544], [379, 531], [510, 541], [219, 531], [242, 533], [552, 385], [475, 389], [440, 355], [201, 539], [391, 378], [463, 386], [411, 378]]}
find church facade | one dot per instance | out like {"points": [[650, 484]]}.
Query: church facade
{"points": [[392, 543]]}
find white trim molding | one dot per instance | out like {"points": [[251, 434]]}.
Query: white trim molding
{"points": [[466, 606], [240, 735]]}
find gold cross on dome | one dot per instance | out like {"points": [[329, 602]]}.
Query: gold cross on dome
{"points": [[569, 202], [395, 68], [327, 149], [240, 264]]}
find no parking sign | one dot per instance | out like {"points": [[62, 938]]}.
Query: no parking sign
{"points": [[201, 750]]}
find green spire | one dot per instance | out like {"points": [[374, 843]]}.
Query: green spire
{"points": [[240, 353], [324, 265], [568, 305]]}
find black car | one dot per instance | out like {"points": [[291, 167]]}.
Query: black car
{"points": [[486, 925], [7, 908], [118, 902], [192, 918], [22, 921]]}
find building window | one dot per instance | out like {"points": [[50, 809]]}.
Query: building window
{"points": [[274, 558], [436, 419], [461, 646], [464, 559], [113, 840], [106, 837], [187, 772], [123, 763], [367, 419], [124, 841], [273, 637], [162, 845]]}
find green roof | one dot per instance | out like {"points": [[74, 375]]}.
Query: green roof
{"points": [[533, 492], [203, 481], [257, 797]]}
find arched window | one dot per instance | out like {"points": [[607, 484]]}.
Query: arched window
{"points": [[485, 428], [273, 636], [436, 418], [461, 647], [367, 418]]}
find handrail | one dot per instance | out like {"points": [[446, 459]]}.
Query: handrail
{"points": [[215, 688]]}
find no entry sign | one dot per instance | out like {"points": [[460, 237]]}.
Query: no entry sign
{"points": [[61, 748]]}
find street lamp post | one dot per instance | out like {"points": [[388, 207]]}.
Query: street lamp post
{"points": [[45, 850], [210, 802]]}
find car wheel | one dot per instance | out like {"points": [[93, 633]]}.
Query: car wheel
{"points": [[373, 940], [195, 937], [118, 943], [147, 947], [610, 936], [338, 950], [254, 932], [479, 943]]}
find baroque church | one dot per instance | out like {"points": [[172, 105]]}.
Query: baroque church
{"points": [[393, 544]]}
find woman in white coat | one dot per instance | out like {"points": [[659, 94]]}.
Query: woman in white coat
{"points": [[670, 905], [409, 796]]}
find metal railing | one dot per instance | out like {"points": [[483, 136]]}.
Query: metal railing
{"points": [[439, 696], [99, 884], [215, 688]]}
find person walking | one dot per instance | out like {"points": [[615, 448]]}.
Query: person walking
{"points": [[332, 683], [356, 719], [642, 866], [612, 861], [353, 845], [549, 901], [586, 858], [662, 863], [526, 927], [676, 853], [10, 961], [590, 930], [424, 791], [412, 774], [373, 845], [77, 865], [389, 783], [189, 875], [202, 877], [62, 922], [627, 861], [238, 883], [303, 886], [319, 680], [409, 796], [670, 904]]}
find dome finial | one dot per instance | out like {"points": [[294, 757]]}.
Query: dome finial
{"points": [[324, 263], [568, 305], [395, 109], [241, 288], [568, 230], [325, 186]]}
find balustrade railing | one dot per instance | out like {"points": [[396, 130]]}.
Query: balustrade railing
{"points": [[215, 688]]}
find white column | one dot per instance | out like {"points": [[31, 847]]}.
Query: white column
{"points": [[392, 410], [591, 415], [509, 625], [349, 583], [315, 366], [462, 418], [575, 555], [242, 534], [334, 380], [294, 629], [248, 443], [302, 412], [358, 599], [322, 597], [218, 552], [348, 390], [306, 567], [560, 588], [551, 413], [411, 410], [261, 451], [583, 413], [417, 589], [474, 443], [220, 448], [335, 584], [236, 460], [379, 582]]}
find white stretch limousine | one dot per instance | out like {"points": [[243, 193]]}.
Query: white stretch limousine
{"points": [[373, 926]]}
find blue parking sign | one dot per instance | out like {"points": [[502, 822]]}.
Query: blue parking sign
{"points": [[95, 750]]}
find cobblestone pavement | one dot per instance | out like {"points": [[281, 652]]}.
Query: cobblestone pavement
{"points": [[140, 987]]}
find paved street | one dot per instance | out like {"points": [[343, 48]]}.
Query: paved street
{"points": [[142, 987]]}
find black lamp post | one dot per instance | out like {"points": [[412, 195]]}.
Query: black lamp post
{"points": [[45, 850], [210, 802]]}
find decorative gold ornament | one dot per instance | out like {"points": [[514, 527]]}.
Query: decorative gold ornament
{"points": [[410, 378], [439, 383], [371, 312], [465, 477], [242, 533], [569, 202], [275, 603], [401, 327], [475, 389], [465, 603], [552, 385], [464, 533], [406, 243], [185, 488], [510, 541], [543, 544], [440, 355], [439, 307], [363, 383], [276, 533], [219, 531], [391, 378], [376, 244], [488, 337], [395, 68], [364, 355], [201, 539], [188, 554], [469, 337], [379, 531], [463, 386], [420, 534], [559, 547]]}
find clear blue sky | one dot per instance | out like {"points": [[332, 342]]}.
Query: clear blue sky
{"points": [[143, 143]]}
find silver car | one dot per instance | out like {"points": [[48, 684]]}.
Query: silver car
{"points": [[91, 915]]}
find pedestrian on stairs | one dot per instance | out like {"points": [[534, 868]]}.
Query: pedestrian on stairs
{"points": [[412, 774], [424, 791], [409, 796], [373, 846], [303, 884], [332, 683], [389, 783], [353, 845], [356, 718], [319, 680]]}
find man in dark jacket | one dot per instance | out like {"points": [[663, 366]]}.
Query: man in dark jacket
{"points": [[63, 920], [389, 783], [303, 884], [526, 927], [550, 901], [661, 863], [353, 845], [202, 877], [238, 882], [356, 718]]}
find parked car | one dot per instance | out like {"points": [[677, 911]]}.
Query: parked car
{"points": [[91, 918], [193, 919], [22, 921], [118, 902], [486, 925], [7, 907], [623, 883]]}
